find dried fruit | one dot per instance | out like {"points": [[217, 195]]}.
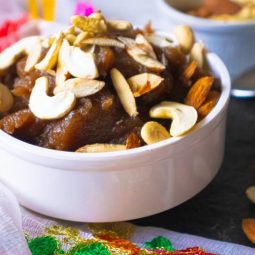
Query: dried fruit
{"points": [[124, 92], [250, 192], [96, 148], [209, 104], [50, 60], [49, 108], [6, 99], [34, 56], [90, 24], [198, 93], [121, 25], [185, 37], [198, 54], [104, 41], [133, 141], [183, 117], [248, 226], [79, 63], [80, 87], [152, 132], [9, 56], [144, 83]]}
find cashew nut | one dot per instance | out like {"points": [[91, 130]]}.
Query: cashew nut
{"points": [[46, 107], [152, 132], [34, 56], [183, 117]]}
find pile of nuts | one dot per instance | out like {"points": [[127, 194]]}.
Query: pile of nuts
{"points": [[70, 58]]}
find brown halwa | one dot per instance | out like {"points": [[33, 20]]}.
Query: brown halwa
{"points": [[97, 85]]}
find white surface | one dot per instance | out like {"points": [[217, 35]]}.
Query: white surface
{"points": [[233, 42], [121, 185]]}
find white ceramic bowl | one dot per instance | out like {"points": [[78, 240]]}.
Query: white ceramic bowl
{"points": [[233, 42], [118, 186]]}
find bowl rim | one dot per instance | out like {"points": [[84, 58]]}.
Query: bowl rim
{"points": [[8, 141], [201, 22]]}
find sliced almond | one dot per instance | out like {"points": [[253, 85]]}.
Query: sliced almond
{"points": [[50, 60], [159, 40], [183, 117], [142, 58], [34, 56], [81, 37], [185, 37], [80, 87], [62, 72], [9, 56], [248, 226], [120, 25], [145, 45], [90, 24], [70, 31], [198, 93], [49, 108], [152, 132], [104, 41], [6, 99], [129, 42], [47, 42], [250, 192], [124, 92], [198, 54], [79, 63], [143, 83], [96, 148]]}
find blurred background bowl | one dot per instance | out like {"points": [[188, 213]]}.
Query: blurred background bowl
{"points": [[233, 42]]}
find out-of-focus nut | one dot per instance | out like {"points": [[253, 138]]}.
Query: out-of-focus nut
{"points": [[104, 41], [145, 45], [9, 56], [119, 25], [183, 117], [152, 132], [49, 108], [80, 87], [79, 63], [250, 192], [70, 38], [82, 36], [198, 93], [209, 104], [6, 99], [50, 60], [185, 37], [90, 24], [248, 226], [144, 83], [96, 148], [34, 56], [47, 42], [70, 31], [124, 92], [198, 54]]}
